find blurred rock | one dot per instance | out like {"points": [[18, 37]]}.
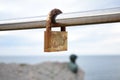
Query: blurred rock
{"points": [[43, 71]]}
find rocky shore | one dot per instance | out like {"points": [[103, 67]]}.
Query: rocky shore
{"points": [[42, 71]]}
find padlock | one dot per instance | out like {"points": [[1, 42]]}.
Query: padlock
{"points": [[55, 40]]}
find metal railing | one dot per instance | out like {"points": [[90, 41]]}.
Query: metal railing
{"points": [[66, 19]]}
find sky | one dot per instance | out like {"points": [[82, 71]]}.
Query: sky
{"points": [[100, 39]]}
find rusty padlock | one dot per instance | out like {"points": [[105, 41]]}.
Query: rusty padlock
{"points": [[54, 40]]}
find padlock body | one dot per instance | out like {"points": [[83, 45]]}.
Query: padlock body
{"points": [[55, 41]]}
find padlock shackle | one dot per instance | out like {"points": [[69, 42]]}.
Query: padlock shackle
{"points": [[63, 28], [51, 20]]}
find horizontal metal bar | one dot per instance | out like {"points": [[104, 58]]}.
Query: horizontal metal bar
{"points": [[66, 19]]}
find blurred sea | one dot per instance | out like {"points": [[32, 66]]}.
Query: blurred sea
{"points": [[95, 67]]}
